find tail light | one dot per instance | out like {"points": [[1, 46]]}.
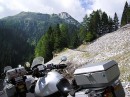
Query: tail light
{"points": [[108, 92]]}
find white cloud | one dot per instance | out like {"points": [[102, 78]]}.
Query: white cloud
{"points": [[73, 7], [76, 8], [1, 9]]}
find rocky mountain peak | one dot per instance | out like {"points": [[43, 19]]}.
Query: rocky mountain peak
{"points": [[69, 19], [64, 15]]}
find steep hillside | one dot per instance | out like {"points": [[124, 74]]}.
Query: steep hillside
{"points": [[14, 49], [34, 25], [112, 46]]}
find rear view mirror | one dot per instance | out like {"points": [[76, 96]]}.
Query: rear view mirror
{"points": [[64, 58], [3, 74]]}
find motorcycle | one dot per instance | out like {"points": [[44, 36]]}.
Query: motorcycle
{"points": [[49, 83], [14, 82], [91, 80]]}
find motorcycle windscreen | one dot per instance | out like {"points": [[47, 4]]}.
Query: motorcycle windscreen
{"points": [[7, 68], [37, 61], [64, 86]]}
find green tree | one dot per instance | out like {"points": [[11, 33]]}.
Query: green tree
{"points": [[44, 47], [90, 36], [124, 15], [14, 49], [85, 22], [104, 23], [64, 35], [75, 42], [57, 38], [116, 22], [95, 22], [110, 24], [82, 33]]}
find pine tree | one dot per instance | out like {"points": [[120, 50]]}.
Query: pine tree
{"points": [[89, 36], [124, 15], [84, 28], [57, 38], [45, 46], [82, 33], [98, 22], [95, 22], [116, 22], [104, 23], [13, 52], [85, 22], [128, 14], [110, 24], [74, 40], [64, 35]]}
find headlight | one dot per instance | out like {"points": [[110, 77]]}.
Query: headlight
{"points": [[64, 86]]}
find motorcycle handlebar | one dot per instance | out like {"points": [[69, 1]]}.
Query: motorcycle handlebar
{"points": [[59, 66], [35, 71]]}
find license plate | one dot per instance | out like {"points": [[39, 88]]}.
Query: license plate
{"points": [[21, 88]]}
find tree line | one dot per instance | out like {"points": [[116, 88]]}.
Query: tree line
{"points": [[58, 37], [97, 24], [14, 49], [125, 15]]}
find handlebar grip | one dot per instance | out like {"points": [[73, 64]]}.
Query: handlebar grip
{"points": [[50, 66], [61, 66]]}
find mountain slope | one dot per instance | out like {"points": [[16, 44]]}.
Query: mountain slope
{"points": [[34, 25], [112, 46], [14, 49]]}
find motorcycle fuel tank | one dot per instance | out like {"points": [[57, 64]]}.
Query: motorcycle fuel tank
{"points": [[47, 85]]}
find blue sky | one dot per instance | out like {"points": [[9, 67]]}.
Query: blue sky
{"points": [[76, 8], [86, 4]]}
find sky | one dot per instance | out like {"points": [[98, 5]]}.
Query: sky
{"points": [[76, 8]]}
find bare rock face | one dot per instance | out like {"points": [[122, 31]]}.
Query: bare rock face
{"points": [[68, 18], [64, 15], [114, 46]]}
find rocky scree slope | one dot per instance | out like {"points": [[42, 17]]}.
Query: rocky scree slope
{"points": [[112, 46]]}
